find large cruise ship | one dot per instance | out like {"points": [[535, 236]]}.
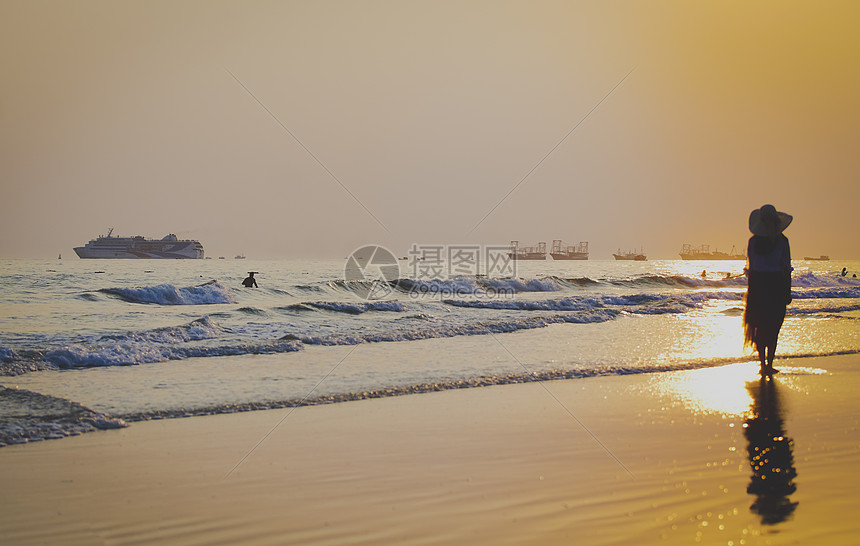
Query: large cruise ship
{"points": [[170, 247]]}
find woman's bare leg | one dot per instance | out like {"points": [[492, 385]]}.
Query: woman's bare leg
{"points": [[771, 353]]}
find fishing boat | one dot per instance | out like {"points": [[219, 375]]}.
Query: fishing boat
{"points": [[139, 247], [563, 251], [527, 252], [631, 255], [703, 252], [821, 258]]}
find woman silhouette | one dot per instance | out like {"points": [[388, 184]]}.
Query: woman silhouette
{"points": [[769, 288]]}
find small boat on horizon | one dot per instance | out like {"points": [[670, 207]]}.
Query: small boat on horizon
{"points": [[822, 258]]}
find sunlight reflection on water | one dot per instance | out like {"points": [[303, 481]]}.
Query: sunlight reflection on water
{"points": [[719, 390]]}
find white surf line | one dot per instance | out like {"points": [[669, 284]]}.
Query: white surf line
{"points": [[290, 412], [566, 409]]}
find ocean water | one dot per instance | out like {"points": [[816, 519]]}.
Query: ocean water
{"points": [[84, 343]]}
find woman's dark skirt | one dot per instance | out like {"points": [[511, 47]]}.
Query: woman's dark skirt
{"points": [[767, 295]]}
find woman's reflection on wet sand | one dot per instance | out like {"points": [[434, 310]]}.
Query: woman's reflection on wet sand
{"points": [[770, 455]]}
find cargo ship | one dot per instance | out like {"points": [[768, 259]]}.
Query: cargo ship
{"points": [[703, 252], [632, 255], [563, 251], [139, 247], [527, 252]]}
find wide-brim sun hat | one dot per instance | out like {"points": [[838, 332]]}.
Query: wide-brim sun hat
{"points": [[758, 226]]}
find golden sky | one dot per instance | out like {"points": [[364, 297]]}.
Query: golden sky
{"points": [[281, 129]]}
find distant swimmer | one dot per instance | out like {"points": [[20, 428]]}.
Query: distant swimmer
{"points": [[844, 271], [250, 281]]}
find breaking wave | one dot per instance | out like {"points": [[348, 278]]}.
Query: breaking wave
{"points": [[131, 348], [452, 330], [635, 303], [127, 354], [209, 293], [473, 285], [461, 306], [356, 308]]}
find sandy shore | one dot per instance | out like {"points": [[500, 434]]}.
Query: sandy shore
{"points": [[658, 458]]}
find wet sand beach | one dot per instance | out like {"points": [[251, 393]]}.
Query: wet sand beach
{"points": [[666, 458]]}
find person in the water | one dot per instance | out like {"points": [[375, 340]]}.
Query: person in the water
{"points": [[250, 281]]}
